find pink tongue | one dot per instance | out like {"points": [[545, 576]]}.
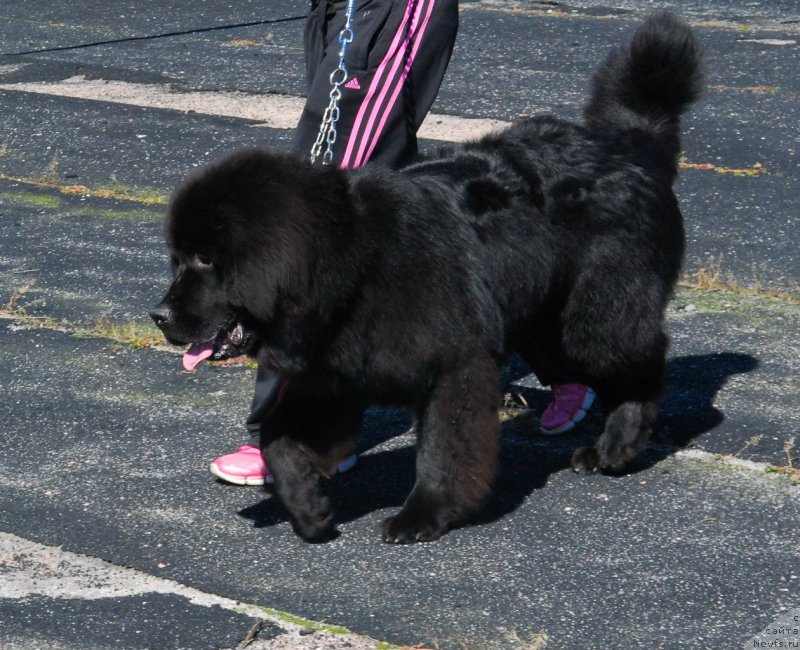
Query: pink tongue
{"points": [[196, 354]]}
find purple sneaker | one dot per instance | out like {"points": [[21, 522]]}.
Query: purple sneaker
{"points": [[570, 403]]}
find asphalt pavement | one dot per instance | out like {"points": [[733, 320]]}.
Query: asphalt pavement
{"points": [[105, 441]]}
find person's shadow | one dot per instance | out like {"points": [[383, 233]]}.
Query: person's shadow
{"points": [[383, 479]]}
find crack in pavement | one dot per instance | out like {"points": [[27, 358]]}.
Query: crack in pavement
{"points": [[152, 37]]}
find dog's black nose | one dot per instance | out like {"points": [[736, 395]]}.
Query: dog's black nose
{"points": [[160, 314]]}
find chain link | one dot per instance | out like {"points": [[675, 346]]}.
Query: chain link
{"points": [[327, 130]]}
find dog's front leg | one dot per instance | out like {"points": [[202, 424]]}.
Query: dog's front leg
{"points": [[457, 450], [297, 483]]}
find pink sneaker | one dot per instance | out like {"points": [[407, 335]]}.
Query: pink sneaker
{"points": [[570, 403], [245, 466]]}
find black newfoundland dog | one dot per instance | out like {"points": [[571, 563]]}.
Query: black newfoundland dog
{"points": [[561, 242]]}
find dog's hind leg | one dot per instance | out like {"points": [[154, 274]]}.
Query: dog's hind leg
{"points": [[614, 341], [457, 452]]}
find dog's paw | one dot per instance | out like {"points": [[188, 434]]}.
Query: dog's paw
{"points": [[408, 527], [586, 460], [314, 526]]}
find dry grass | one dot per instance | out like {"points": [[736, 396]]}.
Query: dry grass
{"points": [[751, 442], [756, 169], [134, 335], [789, 469], [49, 180], [712, 277]]}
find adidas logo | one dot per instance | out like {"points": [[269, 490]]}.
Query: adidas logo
{"points": [[353, 84]]}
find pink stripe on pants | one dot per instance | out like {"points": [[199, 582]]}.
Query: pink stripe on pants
{"points": [[360, 133]]}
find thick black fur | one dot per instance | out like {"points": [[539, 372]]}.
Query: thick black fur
{"points": [[559, 241]]}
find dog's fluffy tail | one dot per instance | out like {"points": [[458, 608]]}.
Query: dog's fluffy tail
{"points": [[650, 83]]}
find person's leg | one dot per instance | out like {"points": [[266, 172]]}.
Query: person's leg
{"points": [[395, 64], [245, 466]]}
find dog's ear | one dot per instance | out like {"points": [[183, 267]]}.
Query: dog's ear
{"points": [[252, 286], [272, 284], [287, 230], [267, 272]]}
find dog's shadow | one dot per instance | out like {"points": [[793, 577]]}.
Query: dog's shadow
{"points": [[384, 478]]}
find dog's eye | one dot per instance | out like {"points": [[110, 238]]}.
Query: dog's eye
{"points": [[202, 261]]}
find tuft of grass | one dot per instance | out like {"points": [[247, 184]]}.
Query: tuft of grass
{"points": [[247, 362], [15, 310], [710, 275], [242, 42], [535, 641], [118, 192], [51, 171], [514, 406], [255, 628], [304, 622], [767, 90], [42, 201], [793, 473], [137, 336], [28, 200]]}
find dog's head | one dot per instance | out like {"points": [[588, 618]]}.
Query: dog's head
{"points": [[243, 244], [197, 308], [196, 311]]}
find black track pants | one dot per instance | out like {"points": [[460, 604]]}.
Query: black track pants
{"points": [[395, 63]]}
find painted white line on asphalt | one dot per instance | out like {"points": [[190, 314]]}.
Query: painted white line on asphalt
{"points": [[272, 111], [28, 568], [726, 459], [768, 41]]}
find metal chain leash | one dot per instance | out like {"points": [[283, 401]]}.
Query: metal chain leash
{"points": [[327, 130]]}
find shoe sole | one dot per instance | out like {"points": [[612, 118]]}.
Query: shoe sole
{"points": [[346, 465], [568, 426], [237, 480]]}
